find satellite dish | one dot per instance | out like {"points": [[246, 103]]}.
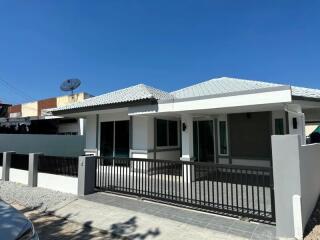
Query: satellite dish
{"points": [[70, 85]]}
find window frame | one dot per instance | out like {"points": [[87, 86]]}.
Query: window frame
{"points": [[167, 134], [227, 137]]}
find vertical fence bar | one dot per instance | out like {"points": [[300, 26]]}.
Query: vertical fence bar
{"points": [[220, 187]]}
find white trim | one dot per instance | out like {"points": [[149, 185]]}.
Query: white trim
{"points": [[223, 118], [254, 99]]}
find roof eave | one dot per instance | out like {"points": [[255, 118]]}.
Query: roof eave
{"points": [[149, 101], [313, 99]]}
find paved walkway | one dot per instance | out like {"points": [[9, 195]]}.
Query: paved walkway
{"points": [[137, 219]]}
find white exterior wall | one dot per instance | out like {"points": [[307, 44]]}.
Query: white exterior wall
{"points": [[18, 175], [58, 183], [55, 145], [296, 180], [142, 137], [142, 133], [0, 172]]}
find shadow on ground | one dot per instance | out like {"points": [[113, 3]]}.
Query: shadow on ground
{"points": [[312, 229], [49, 226]]}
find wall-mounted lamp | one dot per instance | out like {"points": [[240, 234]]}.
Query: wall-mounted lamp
{"points": [[184, 126]]}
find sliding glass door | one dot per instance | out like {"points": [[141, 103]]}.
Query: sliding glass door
{"points": [[114, 139], [203, 141]]}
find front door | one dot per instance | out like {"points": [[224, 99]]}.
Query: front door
{"points": [[203, 141], [114, 139]]}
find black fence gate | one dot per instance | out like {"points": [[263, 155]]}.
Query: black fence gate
{"points": [[244, 191]]}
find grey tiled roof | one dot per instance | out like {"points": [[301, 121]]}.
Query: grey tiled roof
{"points": [[126, 95], [305, 92], [232, 85], [223, 85]]}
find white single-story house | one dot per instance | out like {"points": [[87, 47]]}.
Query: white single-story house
{"points": [[223, 120]]}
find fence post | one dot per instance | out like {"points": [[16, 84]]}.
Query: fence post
{"points": [[6, 164], [86, 175], [33, 169]]}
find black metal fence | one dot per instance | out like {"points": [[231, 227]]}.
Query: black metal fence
{"points": [[67, 166], [228, 189], [20, 161], [1, 159]]}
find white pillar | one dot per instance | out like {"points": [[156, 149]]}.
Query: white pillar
{"points": [[287, 185], [81, 126], [296, 121], [187, 148], [187, 137]]}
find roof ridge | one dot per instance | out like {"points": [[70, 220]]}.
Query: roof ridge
{"points": [[226, 78]]}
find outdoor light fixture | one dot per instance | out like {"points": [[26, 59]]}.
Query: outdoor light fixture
{"points": [[184, 126]]}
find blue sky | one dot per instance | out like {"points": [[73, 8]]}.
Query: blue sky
{"points": [[166, 44]]}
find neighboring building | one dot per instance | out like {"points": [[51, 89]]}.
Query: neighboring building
{"points": [[33, 117], [223, 120], [4, 110]]}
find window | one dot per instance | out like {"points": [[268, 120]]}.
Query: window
{"points": [[279, 126], [173, 133], [223, 148], [167, 133], [162, 133], [114, 139]]}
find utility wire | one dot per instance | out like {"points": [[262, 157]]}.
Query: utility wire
{"points": [[17, 91]]}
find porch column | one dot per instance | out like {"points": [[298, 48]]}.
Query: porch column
{"points": [[187, 147], [187, 137], [296, 121]]}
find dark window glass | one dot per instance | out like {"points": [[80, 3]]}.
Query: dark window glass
{"points": [[223, 137], [162, 133], [279, 126], [173, 133], [106, 139], [294, 123], [205, 144], [122, 139]]}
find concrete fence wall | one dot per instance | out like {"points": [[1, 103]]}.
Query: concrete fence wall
{"points": [[55, 145], [310, 179], [33, 178], [18, 176], [58, 183], [297, 183]]}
